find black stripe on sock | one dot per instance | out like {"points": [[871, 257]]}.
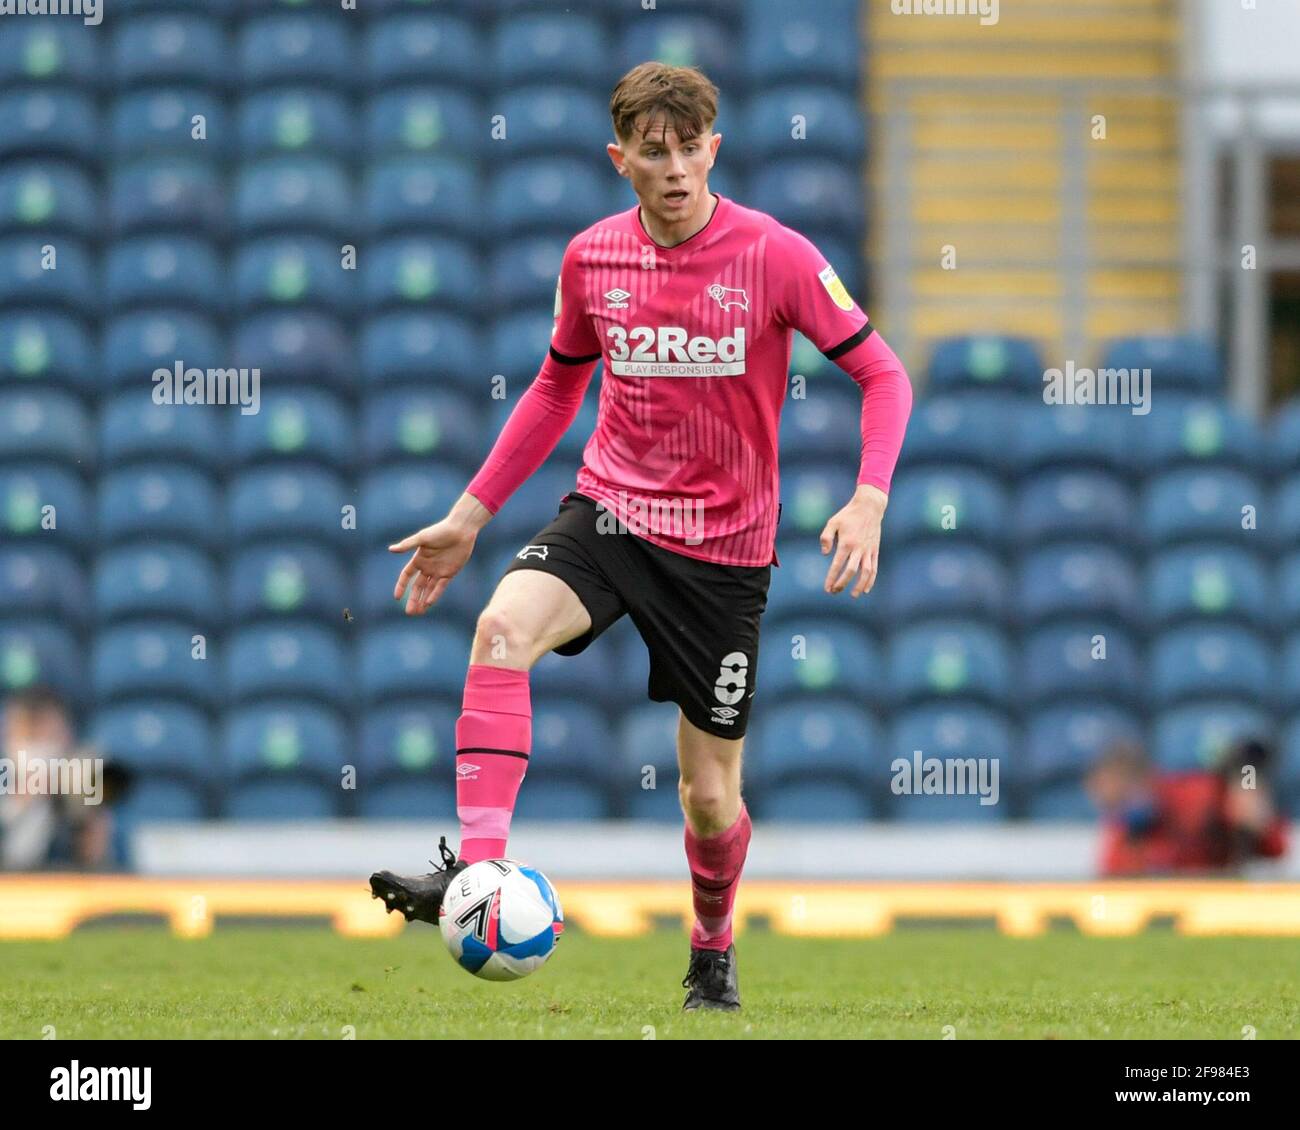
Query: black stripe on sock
{"points": [[850, 343], [486, 749]]}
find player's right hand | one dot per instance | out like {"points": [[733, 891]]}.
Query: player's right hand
{"points": [[441, 551]]}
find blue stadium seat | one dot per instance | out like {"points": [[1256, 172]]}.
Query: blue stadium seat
{"points": [[1188, 363], [411, 424], [460, 603], [45, 654], [45, 348], [157, 271], [46, 124], [1286, 507], [295, 48], [812, 492], [1064, 802], [595, 674], [810, 191], [291, 271], [297, 347], [287, 578], [807, 655], [138, 344], [980, 431], [398, 500], [312, 120], [537, 47], [411, 660], [422, 270], [1090, 580], [1289, 757], [957, 659], [281, 194], [1287, 611], [426, 120], [414, 347], [1289, 689], [571, 737], [535, 503], [1059, 505], [799, 121], [1064, 661], [812, 802], [1200, 432], [939, 730], [825, 423], [159, 194], [518, 344], [167, 739], [549, 120], [411, 47], [167, 123], [276, 799], [680, 40], [158, 580], [44, 424], [947, 504], [63, 53], [524, 271], [1200, 505], [133, 428], [1284, 436], [818, 43], [647, 762], [811, 739], [549, 195], [1199, 735], [402, 195], [41, 580], [159, 500], [38, 499], [291, 500], [302, 423], [1062, 742], [286, 737], [173, 801], [988, 361], [407, 743], [295, 659], [1057, 436], [48, 199], [797, 588], [171, 47], [956, 579], [554, 796], [1209, 580], [1202, 660], [422, 799], [26, 280], [152, 661]]}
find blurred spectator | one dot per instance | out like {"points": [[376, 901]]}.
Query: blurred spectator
{"points": [[55, 799], [1198, 822]]}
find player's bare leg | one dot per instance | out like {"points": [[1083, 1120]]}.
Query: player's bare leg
{"points": [[717, 838], [530, 613]]}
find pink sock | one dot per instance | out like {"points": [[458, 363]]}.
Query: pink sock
{"points": [[715, 865], [493, 737]]}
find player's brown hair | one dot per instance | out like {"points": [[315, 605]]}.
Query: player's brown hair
{"points": [[682, 97]]}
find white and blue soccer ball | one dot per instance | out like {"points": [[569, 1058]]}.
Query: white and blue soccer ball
{"points": [[500, 919]]}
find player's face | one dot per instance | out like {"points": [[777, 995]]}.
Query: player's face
{"points": [[670, 176]]}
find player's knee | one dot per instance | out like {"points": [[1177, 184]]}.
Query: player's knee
{"points": [[499, 638], [703, 802]]}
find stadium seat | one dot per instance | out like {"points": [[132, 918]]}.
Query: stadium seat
{"points": [[1199, 735], [523, 272], [48, 199], [595, 674], [169, 122], [943, 731], [551, 120], [428, 801], [1202, 433], [291, 500], [295, 48], [683, 41], [1063, 741], [161, 800], [410, 744], [979, 431], [518, 345], [1284, 436], [48, 124], [138, 344], [538, 46], [157, 499], [277, 799], [811, 492], [154, 660], [398, 500], [409, 47], [41, 653], [825, 656], [62, 53], [1198, 581], [287, 578], [170, 47], [296, 659], [1090, 580], [956, 658], [1057, 436], [988, 361], [158, 271], [45, 349], [808, 192], [157, 739], [1197, 661], [1288, 766], [166, 194], [1288, 590], [40, 499], [953, 580], [1073, 659], [133, 428], [799, 121], [413, 348], [551, 796], [945, 504], [158, 580], [304, 424], [460, 603], [809, 738], [424, 270], [1182, 364], [442, 195], [824, 423], [1072, 503], [435, 424], [26, 279], [316, 120], [1201, 505], [286, 737], [45, 424], [797, 588], [812, 802], [300, 193], [425, 121], [1066, 802], [411, 661], [1286, 507], [1289, 689], [556, 196], [46, 581], [647, 747], [298, 347], [819, 43], [292, 271]]}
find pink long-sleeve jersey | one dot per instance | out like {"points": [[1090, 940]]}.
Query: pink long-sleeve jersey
{"points": [[696, 342]]}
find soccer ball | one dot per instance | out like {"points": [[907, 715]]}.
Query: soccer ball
{"points": [[500, 919]]}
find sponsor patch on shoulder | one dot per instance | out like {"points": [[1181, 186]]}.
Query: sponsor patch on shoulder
{"points": [[835, 288]]}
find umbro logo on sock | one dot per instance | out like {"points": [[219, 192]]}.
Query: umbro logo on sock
{"points": [[465, 770]]}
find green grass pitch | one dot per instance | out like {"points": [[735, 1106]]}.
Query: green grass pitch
{"points": [[122, 982]]}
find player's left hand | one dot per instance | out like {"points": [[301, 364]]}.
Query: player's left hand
{"points": [[854, 531]]}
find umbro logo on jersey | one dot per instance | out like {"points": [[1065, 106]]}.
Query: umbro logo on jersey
{"points": [[538, 551], [726, 296], [617, 298]]}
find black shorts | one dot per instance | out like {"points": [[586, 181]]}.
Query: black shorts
{"points": [[698, 619]]}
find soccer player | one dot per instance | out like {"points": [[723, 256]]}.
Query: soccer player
{"points": [[690, 299]]}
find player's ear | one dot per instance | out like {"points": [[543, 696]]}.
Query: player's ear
{"points": [[616, 156]]}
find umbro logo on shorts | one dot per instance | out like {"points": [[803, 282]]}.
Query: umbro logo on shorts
{"points": [[528, 551], [723, 715]]}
